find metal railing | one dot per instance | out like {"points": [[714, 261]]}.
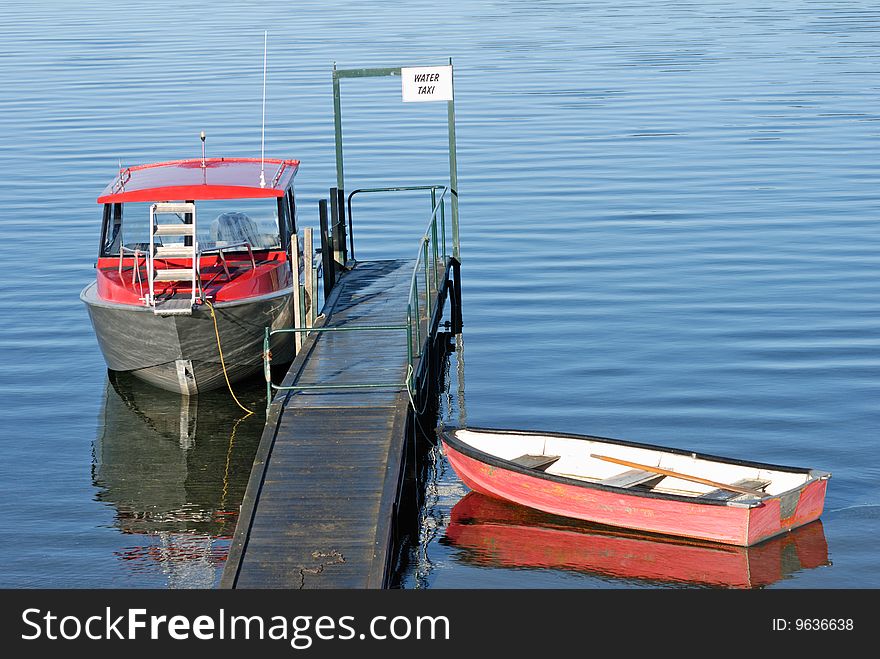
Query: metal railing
{"points": [[433, 255], [405, 188]]}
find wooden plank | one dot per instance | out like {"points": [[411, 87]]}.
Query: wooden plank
{"points": [[728, 495], [539, 462], [631, 478]]}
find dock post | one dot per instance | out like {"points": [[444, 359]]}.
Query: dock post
{"points": [[297, 292], [343, 244], [267, 368], [456, 297], [328, 264], [308, 272], [337, 226]]}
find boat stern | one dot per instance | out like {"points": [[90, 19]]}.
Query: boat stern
{"points": [[789, 510]]}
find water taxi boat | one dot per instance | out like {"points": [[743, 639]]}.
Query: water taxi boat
{"points": [[194, 262], [637, 486]]}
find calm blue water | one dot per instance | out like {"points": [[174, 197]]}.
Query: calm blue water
{"points": [[670, 234]]}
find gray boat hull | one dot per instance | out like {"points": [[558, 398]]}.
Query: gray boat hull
{"points": [[179, 353]]}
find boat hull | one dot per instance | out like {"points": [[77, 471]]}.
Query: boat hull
{"points": [[179, 353], [671, 515]]}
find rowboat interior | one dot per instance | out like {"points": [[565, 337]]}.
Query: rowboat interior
{"points": [[596, 461]]}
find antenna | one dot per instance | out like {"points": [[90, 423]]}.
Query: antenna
{"points": [[263, 130], [202, 136]]}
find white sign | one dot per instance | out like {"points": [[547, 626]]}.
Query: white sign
{"points": [[426, 83]]}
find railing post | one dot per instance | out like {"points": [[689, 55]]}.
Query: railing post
{"points": [[409, 344], [443, 228], [328, 263], [427, 283], [434, 251], [350, 228], [414, 295]]}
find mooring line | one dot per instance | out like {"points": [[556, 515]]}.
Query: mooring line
{"points": [[223, 362]]}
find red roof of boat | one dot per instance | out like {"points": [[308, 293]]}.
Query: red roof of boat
{"points": [[220, 178]]}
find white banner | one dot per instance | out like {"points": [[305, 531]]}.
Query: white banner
{"points": [[426, 83]]}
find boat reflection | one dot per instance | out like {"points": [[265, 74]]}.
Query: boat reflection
{"points": [[174, 468], [494, 533]]}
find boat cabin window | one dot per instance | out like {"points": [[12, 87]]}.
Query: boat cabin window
{"points": [[111, 233], [226, 223]]}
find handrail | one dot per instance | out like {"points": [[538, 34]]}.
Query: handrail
{"points": [[277, 176], [121, 180], [401, 188], [430, 232]]}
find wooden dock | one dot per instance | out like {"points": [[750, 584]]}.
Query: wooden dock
{"points": [[319, 509]]}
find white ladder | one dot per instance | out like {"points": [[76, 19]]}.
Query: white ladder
{"points": [[189, 252]]}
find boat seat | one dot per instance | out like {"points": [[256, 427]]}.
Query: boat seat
{"points": [[537, 462], [729, 495], [631, 478]]}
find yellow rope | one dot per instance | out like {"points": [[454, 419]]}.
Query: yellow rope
{"points": [[228, 460], [223, 363]]}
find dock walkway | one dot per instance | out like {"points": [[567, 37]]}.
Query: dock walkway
{"points": [[318, 510]]}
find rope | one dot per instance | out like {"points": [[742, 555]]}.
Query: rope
{"points": [[223, 363], [228, 460], [419, 412]]}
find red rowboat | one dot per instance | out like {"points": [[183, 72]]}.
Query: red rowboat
{"points": [[494, 533], [637, 486], [187, 244]]}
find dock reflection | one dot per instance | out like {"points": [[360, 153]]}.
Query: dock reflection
{"points": [[174, 468], [493, 533]]}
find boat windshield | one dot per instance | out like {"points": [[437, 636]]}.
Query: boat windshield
{"points": [[220, 223], [231, 222]]}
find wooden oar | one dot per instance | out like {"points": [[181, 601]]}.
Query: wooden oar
{"points": [[687, 477]]}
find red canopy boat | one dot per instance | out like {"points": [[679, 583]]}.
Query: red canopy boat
{"points": [[186, 243], [494, 533], [637, 486]]}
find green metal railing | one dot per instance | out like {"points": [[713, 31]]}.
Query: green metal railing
{"points": [[433, 254], [405, 188]]}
